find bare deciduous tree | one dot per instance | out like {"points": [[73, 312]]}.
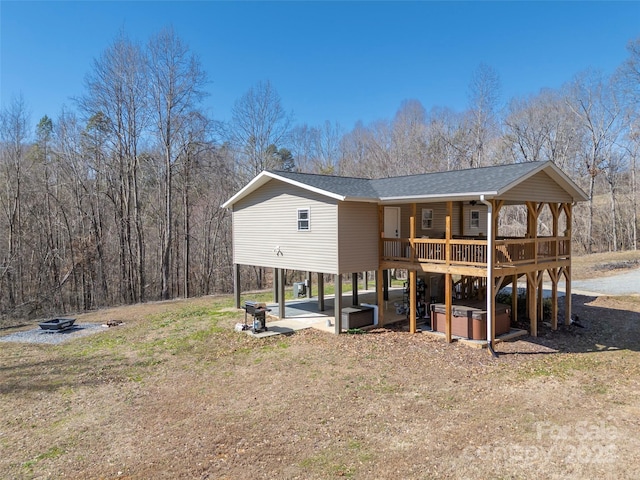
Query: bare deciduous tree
{"points": [[14, 120], [176, 88], [592, 101], [258, 120], [116, 91], [484, 96]]}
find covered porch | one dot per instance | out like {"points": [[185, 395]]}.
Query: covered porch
{"points": [[476, 267]]}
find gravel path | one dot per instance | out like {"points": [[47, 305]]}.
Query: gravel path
{"points": [[622, 284], [37, 335]]}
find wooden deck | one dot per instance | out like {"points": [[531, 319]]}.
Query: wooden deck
{"points": [[469, 256]]}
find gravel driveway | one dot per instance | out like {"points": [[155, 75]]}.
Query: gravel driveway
{"points": [[622, 284]]}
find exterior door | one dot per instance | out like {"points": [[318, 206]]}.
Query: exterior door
{"points": [[391, 230]]}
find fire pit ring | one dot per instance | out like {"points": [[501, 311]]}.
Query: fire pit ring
{"points": [[57, 324]]}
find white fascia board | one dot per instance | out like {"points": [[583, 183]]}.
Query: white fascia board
{"points": [[439, 198], [257, 181]]}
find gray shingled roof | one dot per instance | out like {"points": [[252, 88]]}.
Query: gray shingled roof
{"points": [[455, 182], [344, 186], [451, 183]]}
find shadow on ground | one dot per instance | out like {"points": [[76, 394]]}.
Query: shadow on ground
{"points": [[603, 324]]}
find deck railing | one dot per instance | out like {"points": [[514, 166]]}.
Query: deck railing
{"points": [[474, 252]]}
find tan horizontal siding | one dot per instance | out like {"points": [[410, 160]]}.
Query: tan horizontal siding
{"points": [[268, 218], [358, 237], [539, 188]]}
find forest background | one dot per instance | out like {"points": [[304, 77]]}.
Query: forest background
{"points": [[117, 199]]}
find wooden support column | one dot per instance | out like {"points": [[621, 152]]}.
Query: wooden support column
{"points": [[532, 288], [447, 306], [412, 232], [412, 302], [555, 212], [365, 275], [385, 285], [567, 296], [321, 291], [540, 280], [497, 205], [276, 274], [275, 285], [354, 289], [309, 285], [281, 301], [337, 304], [379, 297], [236, 284], [514, 299], [553, 274]]}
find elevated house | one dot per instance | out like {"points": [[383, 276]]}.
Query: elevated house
{"points": [[442, 228]]}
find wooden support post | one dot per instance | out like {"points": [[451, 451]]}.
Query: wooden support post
{"points": [[497, 205], [540, 288], [567, 296], [555, 212], [448, 306], [412, 302], [309, 285], [553, 273], [281, 301], [385, 285], [379, 297], [321, 291], [514, 299], [412, 232], [354, 289], [337, 304], [276, 274], [366, 280], [236, 284], [532, 287]]}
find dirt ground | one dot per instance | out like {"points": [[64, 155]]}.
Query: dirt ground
{"points": [[174, 392]]}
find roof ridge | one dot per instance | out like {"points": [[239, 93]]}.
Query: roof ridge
{"points": [[319, 174]]}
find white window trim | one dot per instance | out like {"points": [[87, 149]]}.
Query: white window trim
{"points": [[427, 223], [308, 219]]}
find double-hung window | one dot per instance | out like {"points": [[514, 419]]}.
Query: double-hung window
{"points": [[427, 218], [475, 219], [304, 219]]}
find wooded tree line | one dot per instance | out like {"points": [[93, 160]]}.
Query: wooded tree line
{"points": [[118, 199]]}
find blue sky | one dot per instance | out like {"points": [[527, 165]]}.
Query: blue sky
{"points": [[337, 61]]}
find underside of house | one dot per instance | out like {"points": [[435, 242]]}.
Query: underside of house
{"points": [[443, 229]]}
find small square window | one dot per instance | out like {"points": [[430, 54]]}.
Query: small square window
{"points": [[475, 219], [427, 218], [304, 219]]}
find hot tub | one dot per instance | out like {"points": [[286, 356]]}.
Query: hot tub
{"points": [[469, 320]]}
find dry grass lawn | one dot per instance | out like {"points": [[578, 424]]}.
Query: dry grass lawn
{"points": [[176, 393]]}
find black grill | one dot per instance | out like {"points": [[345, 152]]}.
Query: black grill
{"points": [[259, 313]]}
